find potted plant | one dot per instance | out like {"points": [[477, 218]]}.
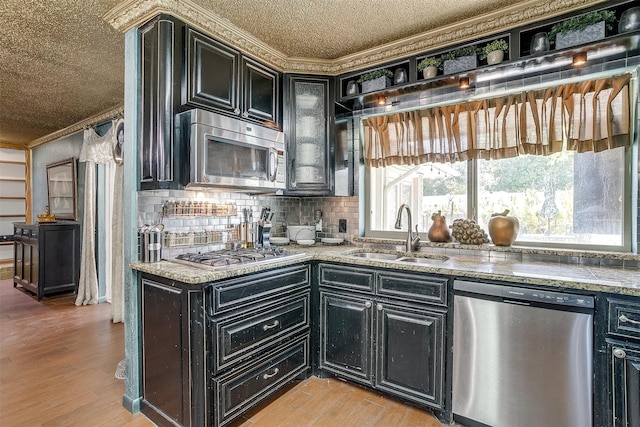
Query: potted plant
{"points": [[494, 51], [462, 59], [582, 29], [375, 80], [429, 66]]}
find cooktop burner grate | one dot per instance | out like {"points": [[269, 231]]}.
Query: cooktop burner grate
{"points": [[232, 258]]}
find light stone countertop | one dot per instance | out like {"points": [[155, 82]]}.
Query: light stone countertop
{"points": [[571, 276]]}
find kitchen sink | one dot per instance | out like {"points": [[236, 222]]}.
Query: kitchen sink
{"points": [[423, 260], [375, 255], [414, 258]]}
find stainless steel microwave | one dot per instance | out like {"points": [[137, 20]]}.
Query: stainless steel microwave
{"points": [[231, 153]]}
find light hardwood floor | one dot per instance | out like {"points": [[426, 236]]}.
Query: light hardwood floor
{"points": [[57, 366]]}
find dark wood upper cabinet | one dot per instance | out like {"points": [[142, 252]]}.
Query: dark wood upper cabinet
{"points": [[161, 164], [212, 73], [221, 78], [261, 88]]}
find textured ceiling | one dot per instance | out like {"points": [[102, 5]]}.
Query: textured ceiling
{"points": [[61, 62], [329, 29]]}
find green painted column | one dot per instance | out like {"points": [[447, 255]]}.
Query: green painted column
{"points": [[132, 304]]}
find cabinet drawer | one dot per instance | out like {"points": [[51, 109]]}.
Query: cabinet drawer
{"points": [[346, 278], [235, 293], [239, 337], [241, 389], [624, 318], [424, 288]]}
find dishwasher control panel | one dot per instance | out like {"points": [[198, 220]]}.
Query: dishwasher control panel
{"points": [[524, 294]]}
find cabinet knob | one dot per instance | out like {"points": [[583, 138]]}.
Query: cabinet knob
{"points": [[367, 304], [624, 319], [271, 326], [379, 307], [273, 374], [619, 353], [236, 111], [245, 114]]}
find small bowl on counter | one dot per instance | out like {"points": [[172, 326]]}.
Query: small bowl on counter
{"points": [[332, 240], [279, 240]]}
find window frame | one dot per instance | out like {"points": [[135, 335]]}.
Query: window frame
{"points": [[630, 185]]}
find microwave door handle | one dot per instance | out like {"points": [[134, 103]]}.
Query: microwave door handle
{"points": [[273, 164]]}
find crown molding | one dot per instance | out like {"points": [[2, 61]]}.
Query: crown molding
{"points": [[91, 121], [134, 13]]}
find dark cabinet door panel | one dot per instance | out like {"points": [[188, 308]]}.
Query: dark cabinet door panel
{"points": [[625, 361], [345, 328], [413, 287], [240, 336], [235, 293], [410, 353], [624, 318], [162, 349], [212, 73], [342, 277], [261, 88], [241, 389]]}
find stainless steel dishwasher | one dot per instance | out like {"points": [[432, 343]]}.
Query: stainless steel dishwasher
{"points": [[521, 357]]}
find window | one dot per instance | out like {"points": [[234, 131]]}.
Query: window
{"points": [[426, 189], [561, 164], [566, 199]]}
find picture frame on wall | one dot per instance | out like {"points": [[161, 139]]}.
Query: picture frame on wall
{"points": [[62, 192], [118, 142]]}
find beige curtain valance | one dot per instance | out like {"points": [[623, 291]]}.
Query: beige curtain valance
{"points": [[586, 116]]}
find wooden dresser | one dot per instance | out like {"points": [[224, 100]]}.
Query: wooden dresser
{"points": [[46, 257]]}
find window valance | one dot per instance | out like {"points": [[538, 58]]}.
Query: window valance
{"points": [[585, 116]]}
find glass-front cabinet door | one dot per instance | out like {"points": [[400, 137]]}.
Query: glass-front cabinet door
{"points": [[309, 144]]}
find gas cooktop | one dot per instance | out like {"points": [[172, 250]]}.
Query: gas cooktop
{"points": [[223, 259]]}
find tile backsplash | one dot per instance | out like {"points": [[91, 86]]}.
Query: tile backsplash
{"points": [[287, 210]]}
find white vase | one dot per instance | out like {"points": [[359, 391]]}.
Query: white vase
{"points": [[495, 57], [430, 72]]}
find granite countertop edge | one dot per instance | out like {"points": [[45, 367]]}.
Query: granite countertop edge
{"points": [[583, 277]]}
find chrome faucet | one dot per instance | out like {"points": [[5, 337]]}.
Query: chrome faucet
{"points": [[412, 241]]}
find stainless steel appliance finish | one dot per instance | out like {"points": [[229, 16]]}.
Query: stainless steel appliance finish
{"points": [[521, 357], [225, 259], [227, 152]]}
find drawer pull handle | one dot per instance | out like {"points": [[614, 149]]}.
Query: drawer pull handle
{"points": [[619, 353], [271, 326], [273, 374], [624, 318]]}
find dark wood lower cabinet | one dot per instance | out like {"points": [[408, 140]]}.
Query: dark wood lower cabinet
{"points": [[410, 353], [240, 389], [346, 326], [212, 351], [162, 338], [393, 345], [625, 369]]}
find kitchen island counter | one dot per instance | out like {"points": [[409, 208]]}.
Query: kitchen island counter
{"points": [[571, 276]]}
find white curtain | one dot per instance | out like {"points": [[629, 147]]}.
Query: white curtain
{"points": [[117, 245], [96, 149]]}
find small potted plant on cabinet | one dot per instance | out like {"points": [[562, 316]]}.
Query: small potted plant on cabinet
{"points": [[375, 80], [430, 66], [462, 59], [582, 29], [494, 51]]}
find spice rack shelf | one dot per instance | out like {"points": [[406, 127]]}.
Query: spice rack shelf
{"points": [[172, 209]]}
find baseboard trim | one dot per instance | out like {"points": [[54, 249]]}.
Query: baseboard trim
{"points": [[131, 405]]}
